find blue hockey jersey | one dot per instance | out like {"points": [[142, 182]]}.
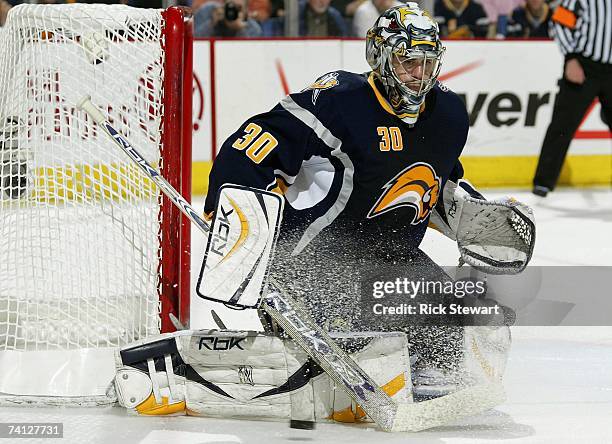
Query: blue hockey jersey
{"points": [[352, 173]]}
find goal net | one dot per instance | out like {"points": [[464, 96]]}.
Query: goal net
{"points": [[91, 255]]}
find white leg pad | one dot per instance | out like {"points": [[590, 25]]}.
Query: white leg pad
{"points": [[249, 374]]}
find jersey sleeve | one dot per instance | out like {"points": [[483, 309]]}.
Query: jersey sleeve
{"points": [[457, 172], [565, 25], [267, 151], [266, 145]]}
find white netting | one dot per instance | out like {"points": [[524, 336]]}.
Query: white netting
{"points": [[79, 225]]}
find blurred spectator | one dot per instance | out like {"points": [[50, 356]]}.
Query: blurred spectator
{"points": [[316, 19], [368, 12], [531, 20], [278, 8], [498, 12], [260, 10], [347, 7], [225, 20], [197, 4], [4, 9], [202, 12], [461, 18], [319, 19]]}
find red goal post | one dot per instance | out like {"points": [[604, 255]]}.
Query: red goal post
{"points": [[178, 83]]}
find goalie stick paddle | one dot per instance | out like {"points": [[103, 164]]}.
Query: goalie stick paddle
{"points": [[387, 414]]}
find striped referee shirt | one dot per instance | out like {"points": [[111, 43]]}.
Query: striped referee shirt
{"points": [[584, 27]]}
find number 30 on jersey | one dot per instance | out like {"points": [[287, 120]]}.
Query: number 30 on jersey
{"points": [[391, 138], [257, 144]]}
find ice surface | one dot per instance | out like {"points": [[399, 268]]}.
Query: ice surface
{"points": [[558, 379]]}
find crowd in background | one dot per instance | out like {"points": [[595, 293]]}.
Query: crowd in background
{"points": [[350, 18]]}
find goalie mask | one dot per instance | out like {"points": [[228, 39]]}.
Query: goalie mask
{"points": [[405, 53]]}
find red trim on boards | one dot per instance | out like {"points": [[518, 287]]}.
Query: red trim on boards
{"points": [[591, 134]]}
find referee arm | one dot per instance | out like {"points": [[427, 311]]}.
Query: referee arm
{"points": [[567, 34]]}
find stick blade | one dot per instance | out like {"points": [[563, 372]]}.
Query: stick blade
{"points": [[414, 417]]}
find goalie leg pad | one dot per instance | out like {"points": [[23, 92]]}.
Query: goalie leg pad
{"points": [[215, 373], [482, 362], [149, 379], [250, 374], [385, 359], [486, 352]]}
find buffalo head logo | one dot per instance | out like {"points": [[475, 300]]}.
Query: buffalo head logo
{"points": [[326, 82], [416, 186]]}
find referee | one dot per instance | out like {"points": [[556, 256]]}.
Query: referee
{"points": [[583, 30]]}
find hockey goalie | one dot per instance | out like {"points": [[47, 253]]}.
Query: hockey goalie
{"points": [[365, 163]]}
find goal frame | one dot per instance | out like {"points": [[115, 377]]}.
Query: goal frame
{"points": [[82, 376], [175, 229]]}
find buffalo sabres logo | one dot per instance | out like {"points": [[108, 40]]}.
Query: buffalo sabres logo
{"points": [[405, 12], [417, 187], [326, 82]]}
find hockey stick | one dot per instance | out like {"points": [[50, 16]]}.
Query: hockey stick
{"points": [[316, 342], [389, 415]]}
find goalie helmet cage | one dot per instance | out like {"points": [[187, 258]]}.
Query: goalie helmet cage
{"points": [[92, 255]]}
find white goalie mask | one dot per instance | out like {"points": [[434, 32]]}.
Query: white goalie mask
{"points": [[404, 51]]}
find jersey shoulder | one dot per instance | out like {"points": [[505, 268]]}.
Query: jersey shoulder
{"points": [[328, 89], [444, 91], [340, 81], [451, 102], [450, 113]]}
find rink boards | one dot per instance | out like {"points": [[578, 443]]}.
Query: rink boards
{"points": [[508, 86]]}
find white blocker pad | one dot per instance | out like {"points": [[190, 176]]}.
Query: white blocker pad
{"points": [[250, 375], [241, 241]]}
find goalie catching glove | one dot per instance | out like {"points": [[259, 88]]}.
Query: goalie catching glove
{"points": [[495, 236]]}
